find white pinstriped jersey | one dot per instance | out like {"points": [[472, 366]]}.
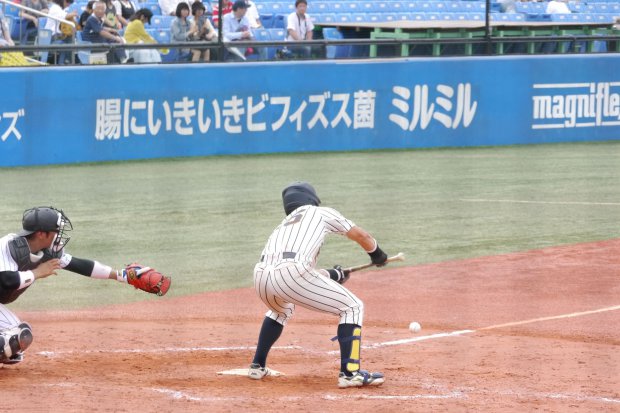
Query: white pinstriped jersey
{"points": [[303, 232]]}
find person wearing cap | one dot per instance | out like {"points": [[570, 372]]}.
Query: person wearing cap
{"points": [[135, 33], [236, 26], [34, 253]]}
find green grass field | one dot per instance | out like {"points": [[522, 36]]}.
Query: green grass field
{"points": [[204, 220]]}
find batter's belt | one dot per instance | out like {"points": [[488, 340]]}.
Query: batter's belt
{"points": [[282, 256]]}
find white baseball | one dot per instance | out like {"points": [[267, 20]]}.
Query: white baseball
{"points": [[415, 327]]}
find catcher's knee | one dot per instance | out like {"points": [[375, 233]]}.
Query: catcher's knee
{"points": [[25, 336], [15, 340]]}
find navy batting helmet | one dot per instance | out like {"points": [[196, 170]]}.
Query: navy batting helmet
{"points": [[298, 194]]}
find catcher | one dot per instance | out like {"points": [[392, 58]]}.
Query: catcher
{"points": [[36, 252]]}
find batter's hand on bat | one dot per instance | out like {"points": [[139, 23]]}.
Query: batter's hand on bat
{"points": [[343, 274], [47, 268], [378, 257]]}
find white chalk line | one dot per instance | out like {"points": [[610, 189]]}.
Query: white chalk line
{"points": [[161, 350], [456, 394], [517, 201], [368, 346], [496, 326]]}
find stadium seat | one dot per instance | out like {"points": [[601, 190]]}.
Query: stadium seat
{"points": [[161, 35], [44, 38], [318, 7], [325, 18], [10, 10], [332, 52], [266, 20], [387, 17], [336, 7], [383, 7], [279, 21], [277, 34], [161, 22], [368, 7], [412, 6], [263, 35], [352, 7], [344, 17], [374, 17], [154, 7]]}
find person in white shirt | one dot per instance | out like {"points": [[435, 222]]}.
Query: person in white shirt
{"points": [[299, 28], [57, 10], [237, 27], [5, 35], [557, 7], [169, 7], [253, 15]]}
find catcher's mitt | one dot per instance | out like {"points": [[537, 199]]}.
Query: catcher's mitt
{"points": [[147, 279]]}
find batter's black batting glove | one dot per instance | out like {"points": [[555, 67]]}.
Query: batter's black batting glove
{"points": [[339, 274], [378, 257]]}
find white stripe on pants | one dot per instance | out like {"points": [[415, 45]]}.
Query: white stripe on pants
{"points": [[284, 285]]}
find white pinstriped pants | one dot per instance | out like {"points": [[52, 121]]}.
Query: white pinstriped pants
{"points": [[283, 285], [8, 320]]}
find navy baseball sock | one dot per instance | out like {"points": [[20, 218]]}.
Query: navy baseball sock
{"points": [[269, 334], [349, 338]]}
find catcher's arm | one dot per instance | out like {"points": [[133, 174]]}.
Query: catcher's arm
{"points": [[141, 277]]}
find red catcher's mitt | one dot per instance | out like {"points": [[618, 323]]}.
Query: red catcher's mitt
{"points": [[147, 279]]}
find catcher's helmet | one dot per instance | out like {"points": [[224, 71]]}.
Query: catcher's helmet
{"points": [[298, 194], [47, 219]]}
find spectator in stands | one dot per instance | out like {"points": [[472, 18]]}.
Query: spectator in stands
{"points": [[556, 7], [125, 9], [169, 7], [225, 10], [181, 30], [111, 21], [236, 26], [5, 35], [57, 11], [299, 28], [203, 31], [95, 31], [86, 13], [135, 33], [507, 6], [30, 22], [253, 15]]}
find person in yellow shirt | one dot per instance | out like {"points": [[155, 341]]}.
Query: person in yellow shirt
{"points": [[135, 33]]}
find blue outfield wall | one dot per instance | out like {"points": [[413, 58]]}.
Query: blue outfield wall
{"points": [[82, 114]]}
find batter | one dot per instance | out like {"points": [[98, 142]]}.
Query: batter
{"points": [[286, 276]]}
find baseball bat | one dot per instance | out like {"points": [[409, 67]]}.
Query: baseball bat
{"points": [[398, 257]]}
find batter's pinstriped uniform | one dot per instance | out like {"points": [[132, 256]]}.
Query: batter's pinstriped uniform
{"points": [[286, 274]]}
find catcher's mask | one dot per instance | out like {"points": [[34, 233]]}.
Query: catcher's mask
{"points": [[298, 194], [47, 219]]}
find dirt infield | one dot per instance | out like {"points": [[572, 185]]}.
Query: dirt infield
{"points": [[559, 352]]}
